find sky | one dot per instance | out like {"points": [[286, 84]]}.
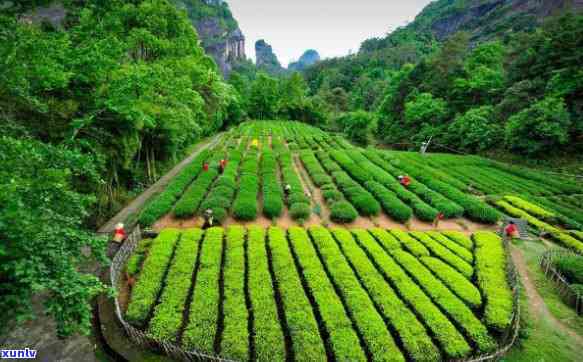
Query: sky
{"points": [[332, 27]]}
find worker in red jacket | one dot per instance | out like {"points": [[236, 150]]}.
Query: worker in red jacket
{"points": [[511, 230], [119, 233], [438, 218], [405, 180]]}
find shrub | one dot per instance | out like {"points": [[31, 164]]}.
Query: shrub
{"points": [[150, 281], [411, 331], [391, 204], [571, 267], [133, 264], [343, 338], [410, 243], [306, 341], [204, 309], [444, 253], [315, 170], [300, 211], [167, 319], [268, 335], [442, 296], [451, 341], [531, 208], [556, 233], [245, 209], [272, 192], [220, 214], [458, 284], [235, 336], [452, 246], [491, 275], [366, 204], [447, 207], [380, 170], [459, 238], [299, 198], [163, 202], [343, 212], [332, 196], [189, 202], [388, 241], [374, 331]]}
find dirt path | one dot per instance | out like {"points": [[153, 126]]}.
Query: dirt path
{"points": [[136, 205], [536, 304], [315, 192], [306, 185]]}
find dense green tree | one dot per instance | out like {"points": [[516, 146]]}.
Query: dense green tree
{"points": [[125, 82], [543, 127], [127, 79], [42, 231], [337, 98], [425, 108], [263, 97], [484, 77], [476, 130], [358, 126]]}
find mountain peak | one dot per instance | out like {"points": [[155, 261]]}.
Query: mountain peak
{"points": [[266, 58], [310, 57]]}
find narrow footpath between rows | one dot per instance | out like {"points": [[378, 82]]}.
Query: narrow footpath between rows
{"points": [[536, 304]]}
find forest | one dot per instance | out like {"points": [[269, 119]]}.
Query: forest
{"points": [[91, 111]]}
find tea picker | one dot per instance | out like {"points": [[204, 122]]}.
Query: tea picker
{"points": [[208, 219]]}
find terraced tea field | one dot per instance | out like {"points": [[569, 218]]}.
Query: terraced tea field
{"points": [[334, 183], [348, 263], [317, 293]]}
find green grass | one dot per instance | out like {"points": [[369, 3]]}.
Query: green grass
{"points": [[540, 341], [546, 288]]}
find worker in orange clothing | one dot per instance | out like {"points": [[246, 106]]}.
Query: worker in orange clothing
{"points": [[222, 165]]}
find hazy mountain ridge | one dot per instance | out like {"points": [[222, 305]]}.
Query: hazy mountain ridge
{"points": [[309, 58]]}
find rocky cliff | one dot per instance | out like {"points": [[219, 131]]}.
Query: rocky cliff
{"points": [[310, 57], [265, 59], [218, 31]]}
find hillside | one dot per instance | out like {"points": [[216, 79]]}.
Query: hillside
{"points": [[482, 19], [476, 76]]}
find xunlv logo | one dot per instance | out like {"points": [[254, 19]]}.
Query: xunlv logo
{"points": [[18, 353]]}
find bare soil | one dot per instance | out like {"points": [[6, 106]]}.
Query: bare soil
{"points": [[170, 221], [307, 186], [285, 221], [124, 294]]}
